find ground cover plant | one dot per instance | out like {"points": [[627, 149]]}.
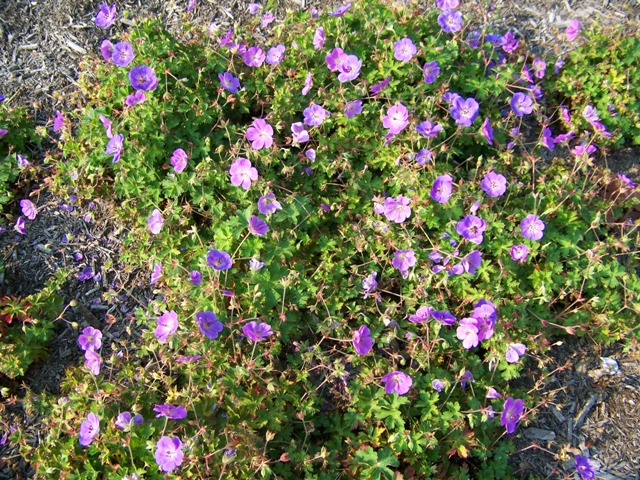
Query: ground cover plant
{"points": [[358, 235]]}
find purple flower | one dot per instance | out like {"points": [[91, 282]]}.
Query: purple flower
{"points": [[318, 38], [547, 138], [260, 134], [106, 15], [403, 260], [209, 325], [442, 188], [229, 82], [257, 332], [90, 339], [93, 362], [267, 18], [20, 226], [532, 227], [430, 72], [335, 58], [510, 42], [397, 209], [308, 83], [155, 222], [255, 264], [338, 12], [513, 410], [195, 277], [254, 8], [188, 358], [519, 253], [584, 468], [423, 156], [315, 115], [135, 98], [310, 154], [473, 39], [298, 133], [114, 147], [89, 429], [219, 260], [471, 262], [573, 30], [369, 284], [464, 112], [349, 68], [167, 325], [143, 78], [122, 54], [514, 352], [123, 420], [467, 376], [242, 173], [191, 5], [626, 180], [539, 67], [397, 118], [156, 273], [29, 210], [404, 49], [428, 129], [397, 382], [362, 340], [85, 274], [377, 88], [3, 132], [468, 333], [437, 385], [257, 226], [174, 412], [580, 150], [275, 55], [267, 204], [179, 160], [487, 131], [106, 123], [521, 104], [58, 121], [353, 108], [421, 315], [494, 184], [450, 21], [254, 56], [590, 114], [444, 317], [169, 454], [447, 4], [106, 49]]}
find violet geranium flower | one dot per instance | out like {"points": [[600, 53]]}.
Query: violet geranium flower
{"points": [[444, 317], [335, 58], [90, 339], [219, 260], [125, 419], [487, 131], [396, 119], [167, 325], [93, 362], [514, 352], [314, 115], [155, 222], [442, 188], [468, 333], [156, 273], [318, 38], [20, 226], [521, 104], [349, 68], [257, 226], [58, 121], [422, 315], [143, 78], [135, 98], [362, 341], [403, 260], [519, 253], [584, 468], [369, 284], [195, 277], [428, 129], [89, 429], [173, 412], [260, 134], [254, 57], [510, 42], [106, 49], [242, 173], [169, 454], [397, 382], [450, 21], [179, 160], [430, 72], [573, 30], [338, 12], [298, 133], [397, 209], [464, 112], [29, 210], [494, 184], [229, 82], [122, 54], [308, 83], [404, 49], [275, 55], [257, 332], [513, 410], [114, 147], [106, 15], [353, 108], [267, 204], [532, 227]]}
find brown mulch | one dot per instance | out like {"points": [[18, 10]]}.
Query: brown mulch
{"points": [[41, 45]]}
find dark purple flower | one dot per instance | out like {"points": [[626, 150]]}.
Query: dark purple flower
{"points": [[335, 58], [29, 210], [450, 21], [513, 410], [85, 274], [219, 260], [275, 55], [179, 160], [404, 49], [257, 332], [20, 226], [564, 137], [421, 315], [122, 54], [318, 38], [135, 98], [442, 188], [254, 57], [349, 68], [114, 147], [514, 352], [106, 15], [353, 108], [173, 412], [430, 72], [487, 131], [444, 317], [403, 260], [260, 134], [143, 78], [167, 324], [532, 227], [573, 30], [397, 382], [584, 468], [626, 180], [369, 284], [468, 333], [428, 129], [209, 325], [558, 65], [464, 112], [580, 150], [338, 12], [315, 115], [521, 104], [471, 262], [519, 252], [93, 362], [191, 5], [362, 340], [510, 42], [229, 82], [169, 454], [156, 273], [547, 138], [397, 209], [58, 121], [397, 118], [377, 88], [89, 429], [3, 132], [242, 173], [494, 184], [467, 376], [195, 277], [308, 83], [155, 222], [106, 123], [298, 133], [473, 39], [267, 204], [257, 226]]}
